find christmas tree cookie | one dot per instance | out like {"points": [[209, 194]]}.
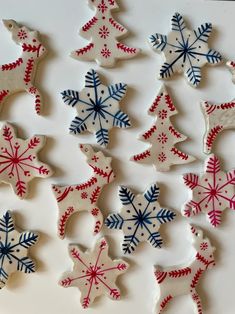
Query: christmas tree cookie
{"points": [[163, 136], [102, 31]]}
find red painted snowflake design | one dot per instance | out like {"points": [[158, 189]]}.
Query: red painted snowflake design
{"points": [[102, 6], [94, 273], [95, 158], [95, 211], [162, 114], [33, 90], [204, 246], [84, 195], [22, 34], [104, 32], [162, 157], [18, 160], [212, 192], [162, 138], [105, 52]]}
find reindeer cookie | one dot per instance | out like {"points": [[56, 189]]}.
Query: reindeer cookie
{"points": [[84, 196], [19, 75], [218, 117], [182, 280]]}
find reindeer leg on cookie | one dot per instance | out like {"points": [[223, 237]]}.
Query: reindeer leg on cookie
{"points": [[197, 301], [163, 301], [64, 216], [32, 90], [3, 95], [96, 213]]}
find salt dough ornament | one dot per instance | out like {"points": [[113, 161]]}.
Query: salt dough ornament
{"points": [[14, 249], [163, 136], [94, 273], [98, 108], [231, 66], [102, 30], [212, 192], [183, 279], [18, 160], [19, 75], [140, 218], [84, 196], [218, 117], [185, 51]]}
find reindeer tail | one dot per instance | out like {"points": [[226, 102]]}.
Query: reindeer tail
{"points": [[160, 274]]}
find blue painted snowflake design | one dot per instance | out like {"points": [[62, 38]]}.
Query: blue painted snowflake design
{"points": [[97, 107], [13, 249], [185, 50], [140, 218]]}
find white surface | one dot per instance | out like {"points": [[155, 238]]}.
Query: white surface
{"points": [[59, 21]]}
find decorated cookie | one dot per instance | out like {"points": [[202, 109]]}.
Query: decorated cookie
{"points": [[98, 108], [14, 249], [212, 192], [102, 31], [84, 196], [217, 119], [231, 66], [19, 75], [19, 163], [94, 273], [185, 51], [183, 279], [140, 218], [162, 136]]}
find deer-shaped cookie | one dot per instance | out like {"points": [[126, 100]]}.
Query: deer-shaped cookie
{"points": [[182, 280], [218, 118], [84, 197], [19, 75]]}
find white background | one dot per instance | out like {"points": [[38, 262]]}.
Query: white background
{"points": [[59, 21]]}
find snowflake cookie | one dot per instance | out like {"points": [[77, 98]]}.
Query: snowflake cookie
{"points": [[98, 108], [163, 136], [18, 160], [14, 249], [140, 218], [185, 50], [19, 75], [212, 192], [84, 196], [94, 273], [183, 279], [102, 30], [218, 117]]}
